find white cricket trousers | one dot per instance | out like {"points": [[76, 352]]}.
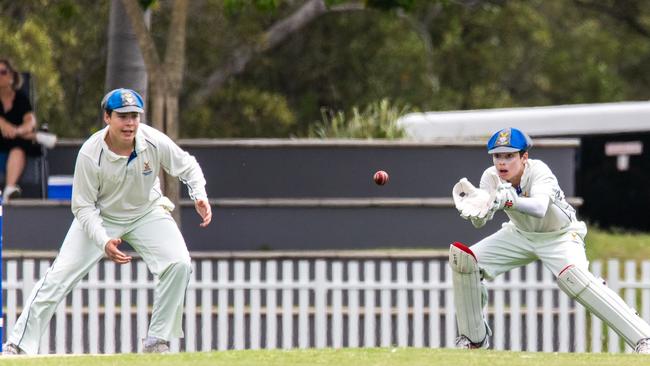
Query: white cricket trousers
{"points": [[155, 237], [510, 248]]}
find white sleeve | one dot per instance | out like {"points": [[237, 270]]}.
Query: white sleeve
{"points": [[179, 163], [85, 188], [533, 206], [544, 182], [542, 193]]}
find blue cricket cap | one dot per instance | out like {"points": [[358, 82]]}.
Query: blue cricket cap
{"points": [[123, 101], [509, 140]]}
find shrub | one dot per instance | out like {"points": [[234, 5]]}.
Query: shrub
{"points": [[376, 120]]}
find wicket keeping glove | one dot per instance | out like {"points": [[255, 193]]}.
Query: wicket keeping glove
{"points": [[470, 201], [505, 197]]}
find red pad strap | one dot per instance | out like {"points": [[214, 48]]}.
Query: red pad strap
{"points": [[464, 248], [565, 268]]}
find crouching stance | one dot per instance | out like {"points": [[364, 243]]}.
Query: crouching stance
{"points": [[116, 196], [542, 226]]}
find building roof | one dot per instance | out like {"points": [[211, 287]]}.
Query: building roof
{"points": [[562, 120]]}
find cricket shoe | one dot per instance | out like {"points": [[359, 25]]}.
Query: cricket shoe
{"points": [[155, 345], [10, 349], [463, 342], [643, 346]]}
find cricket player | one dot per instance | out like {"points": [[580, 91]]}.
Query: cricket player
{"points": [[116, 196], [542, 226]]}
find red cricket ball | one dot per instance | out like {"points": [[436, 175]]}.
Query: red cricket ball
{"points": [[380, 177]]}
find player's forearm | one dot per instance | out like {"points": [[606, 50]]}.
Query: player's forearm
{"points": [[192, 176], [84, 200], [92, 224], [533, 206], [195, 181], [179, 163]]}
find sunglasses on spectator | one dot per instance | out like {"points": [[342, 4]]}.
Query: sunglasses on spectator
{"points": [[4, 72]]}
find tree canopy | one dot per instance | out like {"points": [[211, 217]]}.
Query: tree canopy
{"points": [[259, 77]]}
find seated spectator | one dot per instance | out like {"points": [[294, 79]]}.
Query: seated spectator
{"points": [[17, 128]]}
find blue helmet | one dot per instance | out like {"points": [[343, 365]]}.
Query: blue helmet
{"points": [[509, 140], [123, 101]]}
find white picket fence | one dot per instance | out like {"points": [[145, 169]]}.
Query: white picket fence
{"points": [[300, 302]]}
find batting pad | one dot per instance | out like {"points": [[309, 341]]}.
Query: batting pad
{"points": [[599, 299], [469, 295]]}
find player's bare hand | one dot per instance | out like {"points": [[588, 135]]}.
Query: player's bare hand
{"points": [[115, 254], [204, 210]]}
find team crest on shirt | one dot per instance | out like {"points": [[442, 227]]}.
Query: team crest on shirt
{"points": [[147, 169], [577, 239], [503, 138]]}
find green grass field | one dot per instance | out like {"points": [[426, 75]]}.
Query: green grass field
{"points": [[600, 245], [608, 244], [343, 357]]}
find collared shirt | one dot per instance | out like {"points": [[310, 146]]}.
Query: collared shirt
{"points": [[537, 181], [122, 189]]}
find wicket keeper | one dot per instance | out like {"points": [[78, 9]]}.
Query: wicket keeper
{"points": [[543, 225]]}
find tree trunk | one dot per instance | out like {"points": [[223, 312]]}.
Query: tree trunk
{"points": [[172, 186], [166, 79], [174, 64], [125, 65], [157, 102], [136, 20]]}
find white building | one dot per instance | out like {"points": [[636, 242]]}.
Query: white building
{"points": [[563, 120]]}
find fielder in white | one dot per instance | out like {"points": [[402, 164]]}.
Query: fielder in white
{"points": [[542, 226], [116, 196]]}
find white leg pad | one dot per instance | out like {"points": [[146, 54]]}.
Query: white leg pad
{"points": [[470, 296], [599, 299]]}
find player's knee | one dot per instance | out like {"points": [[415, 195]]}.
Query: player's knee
{"points": [[185, 267], [573, 280], [462, 259], [180, 269]]}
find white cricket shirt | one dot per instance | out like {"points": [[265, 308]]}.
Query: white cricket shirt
{"points": [[537, 181], [107, 186]]}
